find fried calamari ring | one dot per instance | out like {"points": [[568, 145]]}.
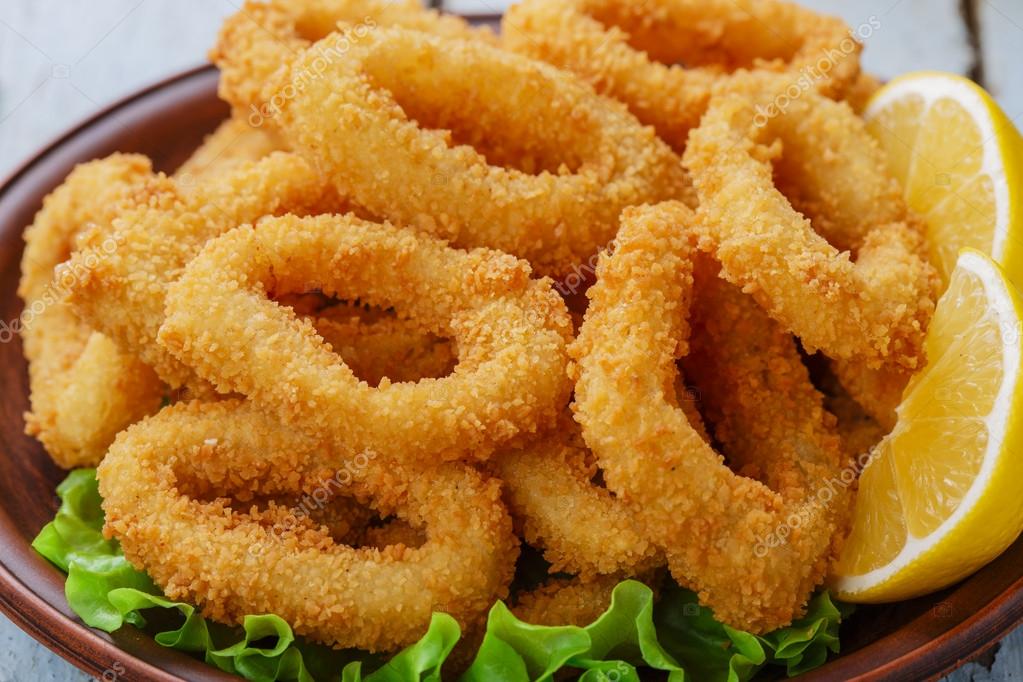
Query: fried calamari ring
{"points": [[859, 431], [877, 391], [756, 391], [546, 184], [83, 389], [513, 330], [634, 50], [377, 344], [232, 563], [861, 92], [753, 555], [581, 527], [123, 294], [385, 346], [872, 304], [566, 601], [395, 532], [232, 144], [262, 38]]}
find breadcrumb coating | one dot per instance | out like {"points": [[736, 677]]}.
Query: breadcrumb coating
{"points": [[872, 304], [861, 91], [859, 430], [401, 140], [581, 527], [262, 38], [232, 144], [756, 391], [232, 563], [166, 225], [386, 347], [754, 555], [511, 329], [664, 58], [877, 391], [566, 601], [84, 390]]}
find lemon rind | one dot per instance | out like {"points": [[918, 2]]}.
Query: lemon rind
{"points": [[932, 86], [884, 583]]}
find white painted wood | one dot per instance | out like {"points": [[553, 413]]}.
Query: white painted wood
{"points": [[61, 60], [22, 658], [1007, 667], [910, 34], [477, 6], [1001, 32]]}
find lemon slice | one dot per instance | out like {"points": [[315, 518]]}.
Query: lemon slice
{"points": [[940, 495], [960, 160]]}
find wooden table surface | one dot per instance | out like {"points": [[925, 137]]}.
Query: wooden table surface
{"points": [[61, 60]]}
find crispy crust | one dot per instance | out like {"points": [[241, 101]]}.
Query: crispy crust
{"points": [[232, 144], [385, 346], [165, 226], [262, 38], [566, 601], [582, 528], [756, 391], [731, 538], [84, 390], [633, 50], [873, 303], [510, 330], [234, 563], [442, 136], [877, 391]]}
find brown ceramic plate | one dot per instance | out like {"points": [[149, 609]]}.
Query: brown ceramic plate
{"points": [[911, 640]]}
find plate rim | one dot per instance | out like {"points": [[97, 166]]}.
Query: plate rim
{"points": [[48, 625], [32, 613]]}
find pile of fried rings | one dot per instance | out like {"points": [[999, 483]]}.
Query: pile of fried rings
{"points": [[562, 288]]}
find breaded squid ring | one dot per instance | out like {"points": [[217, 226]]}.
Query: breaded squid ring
{"points": [[566, 601], [385, 347], [546, 184], [232, 144], [84, 390], [754, 555], [233, 563], [123, 293], [758, 396], [513, 327], [877, 391], [634, 50], [263, 37], [756, 391], [872, 304], [581, 527], [859, 431]]}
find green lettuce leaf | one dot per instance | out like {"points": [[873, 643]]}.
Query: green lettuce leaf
{"points": [[676, 636], [618, 641], [107, 592], [713, 652]]}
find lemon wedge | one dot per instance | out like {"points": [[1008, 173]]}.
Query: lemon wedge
{"points": [[960, 160], [940, 495]]}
